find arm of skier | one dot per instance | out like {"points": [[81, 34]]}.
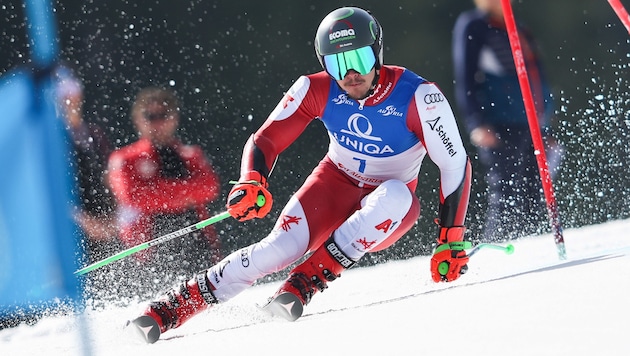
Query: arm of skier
{"points": [[440, 135], [249, 198]]}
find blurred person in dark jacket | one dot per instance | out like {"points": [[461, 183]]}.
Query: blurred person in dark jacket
{"points": [[91, 149], [488, 94]]}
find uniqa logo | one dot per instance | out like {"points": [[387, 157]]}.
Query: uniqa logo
{"points": [[354, 127], [359, 126]]}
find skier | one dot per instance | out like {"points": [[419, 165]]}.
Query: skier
{"points": [[382, 120]]}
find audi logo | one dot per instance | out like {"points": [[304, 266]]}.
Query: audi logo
{"points": [[433, 98]]}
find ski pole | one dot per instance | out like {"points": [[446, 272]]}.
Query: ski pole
{"points": [[532, 120], [444, 266], [260, 201], [155, 241], [509, 249]]}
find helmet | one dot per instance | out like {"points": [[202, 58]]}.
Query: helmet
{"points": [[349, 38]]}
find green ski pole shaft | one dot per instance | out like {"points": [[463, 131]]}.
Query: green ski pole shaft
{"points": [[150, 243], [509, 249], [443, 267]]}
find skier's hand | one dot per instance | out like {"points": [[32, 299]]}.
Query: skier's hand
{"points": [[449, 258], [449, 261], [249, 198], [484, 137]]}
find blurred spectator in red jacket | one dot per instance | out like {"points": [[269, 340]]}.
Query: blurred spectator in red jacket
{"points": [[162, 185]]}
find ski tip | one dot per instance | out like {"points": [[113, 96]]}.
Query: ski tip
{"points": [[285, 305], [146, 327]]}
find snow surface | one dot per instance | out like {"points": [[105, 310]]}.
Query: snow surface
{"points": [[528, 303]]}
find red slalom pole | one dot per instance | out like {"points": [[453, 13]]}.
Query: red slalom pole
{"points": [[532, 119], [621, 13]]}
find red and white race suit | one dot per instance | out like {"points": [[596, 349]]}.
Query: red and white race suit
{"points": [[362, 191]]}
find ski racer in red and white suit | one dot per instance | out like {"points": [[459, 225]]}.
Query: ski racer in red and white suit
{"points": [[381, 121], [371, 143]]}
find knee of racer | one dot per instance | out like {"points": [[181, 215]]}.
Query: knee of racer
{"points": [[399, 199], [392, 195]]}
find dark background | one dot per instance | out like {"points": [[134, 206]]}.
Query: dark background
{"points": [[230, 62]]}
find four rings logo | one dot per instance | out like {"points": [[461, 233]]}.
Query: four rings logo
{"points": [[433, 98]]}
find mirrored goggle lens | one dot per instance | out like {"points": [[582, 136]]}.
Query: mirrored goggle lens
{"points": [[362, 60]]}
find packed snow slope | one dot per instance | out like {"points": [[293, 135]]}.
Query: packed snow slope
{"points": [[528, 303]]}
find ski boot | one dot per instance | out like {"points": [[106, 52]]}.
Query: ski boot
{"points": [[323, 266], [174, 308]]}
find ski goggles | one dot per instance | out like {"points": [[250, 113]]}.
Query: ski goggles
{"points": [[361, 59]]}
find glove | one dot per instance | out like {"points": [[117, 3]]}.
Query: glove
{"points": [[249, 198], [449, 259]]}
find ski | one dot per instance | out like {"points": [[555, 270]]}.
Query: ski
{"points": [[145, 327], [285, 305]]}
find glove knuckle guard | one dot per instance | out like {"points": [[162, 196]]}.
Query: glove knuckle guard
{"points": [[242, 202], [236, 196]]}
